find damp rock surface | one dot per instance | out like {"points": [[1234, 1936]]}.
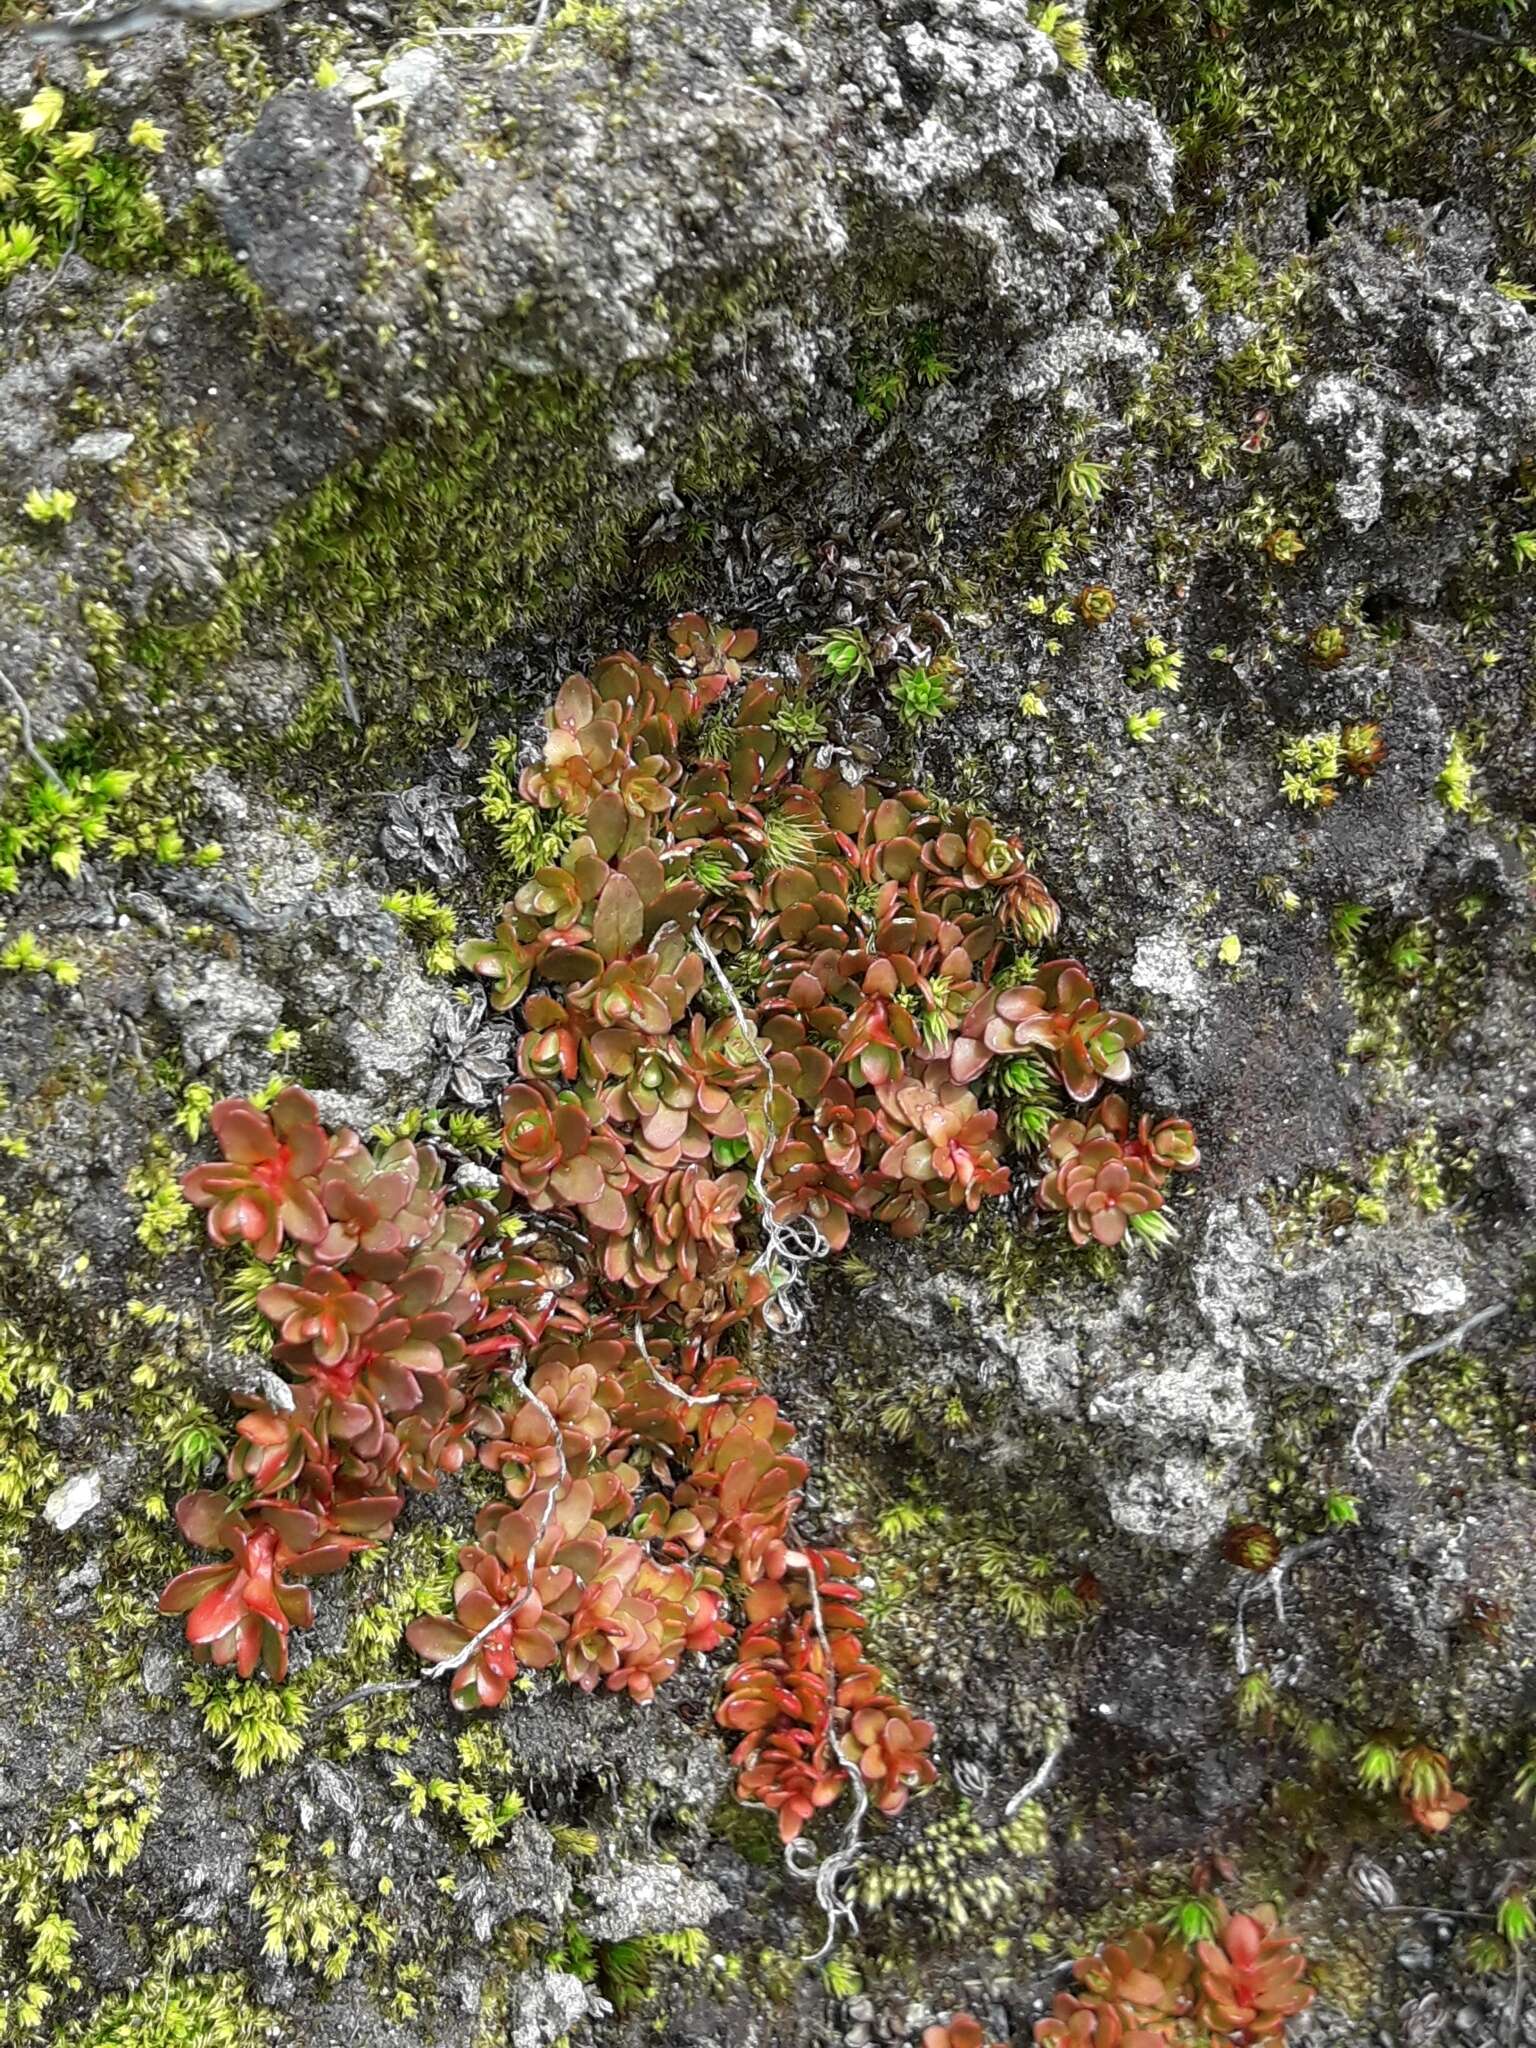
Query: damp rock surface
{"points": [[383, 373]]}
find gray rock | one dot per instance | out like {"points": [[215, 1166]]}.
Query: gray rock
{"points": [[546, 2004], [215, 1007], [650, 1898], [74, 1499], [102, 449]]}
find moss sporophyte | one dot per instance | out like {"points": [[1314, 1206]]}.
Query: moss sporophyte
{"points": [[758, 1004]]}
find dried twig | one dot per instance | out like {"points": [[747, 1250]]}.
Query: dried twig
{"points": [[367, 1692], [344, 678], [1519, 1998], [462, 1657], [535, 31], [129, 21]]}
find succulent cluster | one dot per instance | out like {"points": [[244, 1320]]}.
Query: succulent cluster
{"points": [[1239, 1986], [962, 2030], [809, 1708], [1419, 1775], [1105, 1180], [370, 1316], [753, 1006]]}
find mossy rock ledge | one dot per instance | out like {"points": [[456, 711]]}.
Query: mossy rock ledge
{"points": [[1168, 462]]}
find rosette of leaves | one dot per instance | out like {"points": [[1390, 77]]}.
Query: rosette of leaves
{"points": [[1099, 1182], [239, 1613], [960, 2030], [266, 1192], [1429, 1799], [421, 833], [476, 1057], [1250, 1976], [1088, 2023]]}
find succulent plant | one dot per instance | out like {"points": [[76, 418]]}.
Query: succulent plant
{"points": [[1284, 545], [1146, 1978], [240, 1613], [884, 1741], [1250, 1977], [1251, 1546], [1100, 1183], [1362, 747], [752, 994], [1092, 2023], [266, 1194], [1429, 1799], [961, 2030], [1239, 1985], [1093, 1044], [1328, 645]]}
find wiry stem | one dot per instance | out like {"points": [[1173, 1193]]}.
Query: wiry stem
{"points": [[669, 1386], [832, 1869], [1273, 1582], [1039, 1781], [791, 1245], [24, 719], [1377, 1410]]}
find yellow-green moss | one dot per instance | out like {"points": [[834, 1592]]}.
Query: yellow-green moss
{"points": [[1339, 93], [173, 2009]]}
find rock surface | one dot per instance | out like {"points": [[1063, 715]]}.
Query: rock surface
{"points": [[444, 359]]}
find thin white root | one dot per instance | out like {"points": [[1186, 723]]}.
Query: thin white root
{"points": [[1383, 1395]]}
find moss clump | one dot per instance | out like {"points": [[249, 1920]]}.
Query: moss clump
{"points": [[175, 2010], [1412, 983], [1337, 93], [958, 1875], [485, 520], [308, 1916], [103, 803], [101, 1828], [255, 1724], [61, 192], [32, 1386], [984, 1560]]}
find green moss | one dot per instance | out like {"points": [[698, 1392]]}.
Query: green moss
{"points": [[490, 517], [526, 837], [1412, 982], [959, 1876], [484, 1803], [982, 1559], [32, 1386], [1338, 93], [61, 191], [463, 531], [308, 1917], [165, 1216], [256, 1724], [430, 923], [98, 1828], [109, 797], [175, 2010]]}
